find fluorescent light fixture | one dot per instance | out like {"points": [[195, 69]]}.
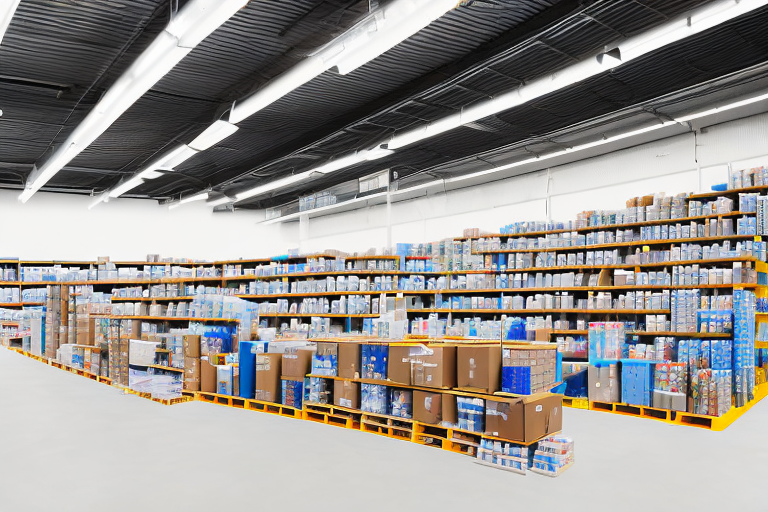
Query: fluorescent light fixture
{"points": [[7, 8], [670, 32], [418, 187], [274, 185], [212, 135], [199, 18], [103, 198], [178, 156], [149, 174], [695, 22], [126, 186], [220, 201], [330, 207], [376, 153], [197, 197], [196, 20], [549, 156], [332, 166], [364, 42], [341, 163], [166, 162], [278, 87], [58, 159], [717, 110], [398, 21]]}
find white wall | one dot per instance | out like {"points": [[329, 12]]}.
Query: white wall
{"points": [[58, 226]]}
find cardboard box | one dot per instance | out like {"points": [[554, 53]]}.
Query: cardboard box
{"points": [[542, 334], [346, 394], [191, 345], [437, 370], [479, 368], [297, 362], [399, 365], [268, 372], [207, 376], [349, 360], [450, 409], [524, 419], [427, 407]]}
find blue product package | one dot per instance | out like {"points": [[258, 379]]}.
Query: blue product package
{"points": [[374, 361], [471, 413], [248, 368], [576, 385], [401, 403], [293, 392], [374, 398], [516, 379]]}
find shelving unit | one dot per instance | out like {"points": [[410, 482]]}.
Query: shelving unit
{"points": [[219, 274]]}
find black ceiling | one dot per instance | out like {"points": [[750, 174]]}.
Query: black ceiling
{"points": [[59, 56]]}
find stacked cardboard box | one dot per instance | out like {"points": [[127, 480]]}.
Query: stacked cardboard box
{"points": [[433, 367], [479, 368], [296, 364], [268, 372], [191, 344]]}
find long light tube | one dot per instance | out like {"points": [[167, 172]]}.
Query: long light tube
{"points": [[717, 110], [220, 201], [103, 198], [379, 32], [398, 22], [273, 185], [7, 8], [126, 186], [630, 49], [212, 135], [166, 162], [195, 21], [197, 197], [555, 154], [332, 166]]}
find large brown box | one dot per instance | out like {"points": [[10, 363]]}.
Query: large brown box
{"points": [[297, 362], [349, 360], [479, 368], [208, 376], [191, 345], [524, 419], [437, 370], [268, 372], [432, 408], [399, 365], [346, 394], [192, 373]]}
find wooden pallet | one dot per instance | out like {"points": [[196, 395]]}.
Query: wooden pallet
{"points": [[716, 423]]}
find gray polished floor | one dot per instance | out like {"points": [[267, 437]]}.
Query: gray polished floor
{"points": [[70, 444]]}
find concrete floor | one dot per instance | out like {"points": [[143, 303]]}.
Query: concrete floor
{"points": [[70, 444]]}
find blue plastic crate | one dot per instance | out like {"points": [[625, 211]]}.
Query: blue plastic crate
{"points": [[637, 381]]}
